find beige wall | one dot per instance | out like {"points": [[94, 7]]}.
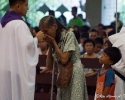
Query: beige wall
{"points": [[93, 11]]}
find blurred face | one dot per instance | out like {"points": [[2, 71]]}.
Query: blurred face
{"points": [[82, 40], [100, 27], [75, 28], [97, 47], [106, 45], [104, 59], [74, 12], [51, 31], [22, 8], [89, 47], [43, 44], [93, 35], [80, 16]]}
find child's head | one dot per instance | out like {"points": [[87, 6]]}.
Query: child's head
{"points": [[93, 34], [100, 26], [89, 45], [107, 44], [83, 37], [43, 45], [98, 44], [20, 6], [110, 56], [103, 35]]}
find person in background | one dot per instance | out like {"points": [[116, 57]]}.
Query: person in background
{"points": [[18, 54], [77, 35], [105, 86], [111, 32], [35, 30], [63, 47], [62, 19], [84, 29], [75, 20], [93, 34], [83, 37], [98, 46], [107, 44], [119, 22], [85, 21], [89, 48], [43, 48], [103, 35], [118, 40], [51, 12], [100, 27]]}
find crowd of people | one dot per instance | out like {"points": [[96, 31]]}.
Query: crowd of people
{"points": [[20, 48]]}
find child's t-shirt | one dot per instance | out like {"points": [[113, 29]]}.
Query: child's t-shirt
{"points": [[103, 80]]}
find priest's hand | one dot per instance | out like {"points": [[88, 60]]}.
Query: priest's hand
{"points": [[40, 36]]}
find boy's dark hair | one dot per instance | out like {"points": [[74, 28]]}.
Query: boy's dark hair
{"points": [[101, 25], [84, 28], [13, 2], [113, 53], [75, 8], [98, 40], [84, 35], [93, 30], [88, 41]]}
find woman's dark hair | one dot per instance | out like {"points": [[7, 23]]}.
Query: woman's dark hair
{"points": [[13, 2], [88, 41], [50, 21], [113, 53]]}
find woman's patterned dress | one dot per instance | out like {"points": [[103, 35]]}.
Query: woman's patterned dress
{"points": [[77, 89]]}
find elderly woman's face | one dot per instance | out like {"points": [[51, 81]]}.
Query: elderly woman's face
{"points": [[51, 31]]}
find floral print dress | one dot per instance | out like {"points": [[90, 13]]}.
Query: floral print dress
{"points": [[77, 89]]}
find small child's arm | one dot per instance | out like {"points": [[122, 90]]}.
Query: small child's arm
{"points": [[91, 74]]}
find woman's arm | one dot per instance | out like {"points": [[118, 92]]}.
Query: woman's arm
{"points": [[64, 56]]}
